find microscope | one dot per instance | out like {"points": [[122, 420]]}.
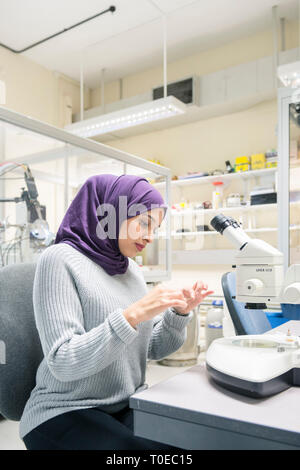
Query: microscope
{"points": [[265, 364], [32, 229]]}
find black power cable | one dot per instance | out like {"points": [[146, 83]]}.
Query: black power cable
{"points": [[111, 9]]}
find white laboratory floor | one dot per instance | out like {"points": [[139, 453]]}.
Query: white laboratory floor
{"points": [[155, 373]]}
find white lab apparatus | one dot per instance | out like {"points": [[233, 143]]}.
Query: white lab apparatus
{"points": [[187, 354], [214, 322], [257, 365], [259, 266], [228, 327]]}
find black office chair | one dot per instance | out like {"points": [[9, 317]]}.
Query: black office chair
{"points": [[245, 321], [20, 347]]}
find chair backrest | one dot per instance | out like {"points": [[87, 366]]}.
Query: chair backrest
{"points": [[245, 321], [20, 348]]}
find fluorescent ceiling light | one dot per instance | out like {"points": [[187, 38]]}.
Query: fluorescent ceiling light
{"points": [[289, 74], [129, 117]]}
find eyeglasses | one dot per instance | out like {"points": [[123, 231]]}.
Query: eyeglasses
{"points": [[145, 226]]}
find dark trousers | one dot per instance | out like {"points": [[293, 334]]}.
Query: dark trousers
{"points": [[90, 429]]}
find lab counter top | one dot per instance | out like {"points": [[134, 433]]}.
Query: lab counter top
{"points": [[190, 411]]}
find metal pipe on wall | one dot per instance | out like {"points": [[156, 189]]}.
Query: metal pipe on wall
{"points": [[81, 88], [165, 54], [282, 34], [2, 158], [164, 19], [275, 43], [298, 29], [103, 90], [66, 177]]}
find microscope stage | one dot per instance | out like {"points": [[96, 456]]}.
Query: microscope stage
{"points": [[255, 365]]}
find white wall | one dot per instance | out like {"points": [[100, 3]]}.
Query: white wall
{"points": [[206, 144], [36, 91]]}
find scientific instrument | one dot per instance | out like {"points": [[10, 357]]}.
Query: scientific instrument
{"points": [[31, 223], [258, 365]]}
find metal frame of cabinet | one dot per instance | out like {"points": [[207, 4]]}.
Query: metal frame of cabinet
{"points": [[38, 127]]}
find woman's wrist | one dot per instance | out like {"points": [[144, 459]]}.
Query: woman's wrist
{"points": [[132, 316], [178, 313]]}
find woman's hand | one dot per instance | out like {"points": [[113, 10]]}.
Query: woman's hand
{"points": [[158, 299], [194, 296]]}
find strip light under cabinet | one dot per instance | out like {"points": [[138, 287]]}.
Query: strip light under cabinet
{"points": [[140, 114]]}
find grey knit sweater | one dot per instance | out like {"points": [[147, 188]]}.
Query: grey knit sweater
{"points": [[92, 356]]}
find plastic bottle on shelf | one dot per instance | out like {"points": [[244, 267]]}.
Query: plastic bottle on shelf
{"points": [[214, 322], [217, 195]]}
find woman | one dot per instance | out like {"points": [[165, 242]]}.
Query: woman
{"points": [[97, 321]]}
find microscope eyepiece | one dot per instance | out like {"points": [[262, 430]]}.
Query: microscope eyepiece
{"points": [[221, 222], [231, 229]]}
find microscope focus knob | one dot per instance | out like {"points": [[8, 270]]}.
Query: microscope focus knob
{"points": [[291, 293], [254, 286]]}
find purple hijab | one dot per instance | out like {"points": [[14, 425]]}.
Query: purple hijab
{"points": [[81, 225]]}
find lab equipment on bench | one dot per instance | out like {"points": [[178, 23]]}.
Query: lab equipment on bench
{"points": [[187, 354], [214, 322], [245, 321], [258, 365], [32, 229]]}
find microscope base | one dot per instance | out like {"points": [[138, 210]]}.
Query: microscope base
{"points": [[254, 389]]}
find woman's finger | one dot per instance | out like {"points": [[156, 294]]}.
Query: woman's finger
{"points": [[207, 293], [199, 285], [169, 290], [174, 295], [202, 294], [190, 293]]}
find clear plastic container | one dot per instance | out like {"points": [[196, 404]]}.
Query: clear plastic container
{"points": [[217, 195], [214, 322]]}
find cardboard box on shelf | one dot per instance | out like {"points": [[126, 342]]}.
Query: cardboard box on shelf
{"points": [[258, 161], [242, 163]]}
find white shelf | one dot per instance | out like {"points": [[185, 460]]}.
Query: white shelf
{"points": [[223, 209], [203, 257], [155, 275], [213, 232], [225, 177]]}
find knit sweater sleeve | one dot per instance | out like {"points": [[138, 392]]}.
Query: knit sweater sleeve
{"points": [[168, 334], [71, 352]]}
